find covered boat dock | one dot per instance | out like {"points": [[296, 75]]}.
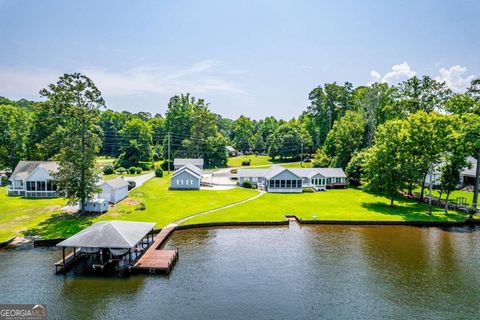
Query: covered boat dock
{"points": [[111, 242]]}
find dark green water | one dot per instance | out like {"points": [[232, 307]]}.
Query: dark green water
{"points": [[317, 272]]}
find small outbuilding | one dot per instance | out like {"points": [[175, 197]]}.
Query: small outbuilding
{"points": [[96, 206], [114, 190], [187, 177]]}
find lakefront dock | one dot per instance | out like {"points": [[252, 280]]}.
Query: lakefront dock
{"points": [[155, 259]]}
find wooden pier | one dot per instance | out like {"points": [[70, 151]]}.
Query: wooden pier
{"points": [[156, 259]]}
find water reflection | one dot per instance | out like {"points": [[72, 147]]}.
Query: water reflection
{"points": [[334, 272]]}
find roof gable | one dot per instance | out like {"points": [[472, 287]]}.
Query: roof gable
{"points": [[25, 168]]}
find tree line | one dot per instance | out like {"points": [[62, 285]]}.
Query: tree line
{"points": [[386, 137]]}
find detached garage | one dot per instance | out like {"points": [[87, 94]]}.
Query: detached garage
{"points": [[114, 190]]}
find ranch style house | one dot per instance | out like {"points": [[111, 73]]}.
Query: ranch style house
{"points": [[292, 180]]}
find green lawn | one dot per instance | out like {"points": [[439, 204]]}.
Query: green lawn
{"points": [[346, 204], [19, 214], [453, 196], [255, 161], [164, 206], [152, 202], [264, 162]]}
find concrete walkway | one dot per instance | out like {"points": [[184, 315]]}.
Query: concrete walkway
{"points": [[180, 221]]}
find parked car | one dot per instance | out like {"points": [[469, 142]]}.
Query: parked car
{"points": [[307, 159], [131, 185]]}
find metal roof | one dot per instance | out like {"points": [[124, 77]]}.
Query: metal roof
{"points": [[182, 162], [109, 234]]}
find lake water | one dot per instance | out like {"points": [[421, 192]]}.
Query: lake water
{"points": [[311, 272]]}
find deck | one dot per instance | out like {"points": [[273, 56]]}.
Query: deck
{"points": [[156, 259]]}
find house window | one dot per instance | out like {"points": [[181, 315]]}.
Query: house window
{"points": [[41, 186], [51, 186], [277, 183], [30, 185], [329, 180], [282, 183], [289, 183], [271, 183], [299, 183]]}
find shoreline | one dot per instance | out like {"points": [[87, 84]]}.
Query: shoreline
{"points": [[425, 224]]}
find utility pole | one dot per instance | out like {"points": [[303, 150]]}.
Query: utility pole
{"points": [[168, 160], [301, 156]]}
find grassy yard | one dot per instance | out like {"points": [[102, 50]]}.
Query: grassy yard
{"points": [[264, 162], [349, 204], [19, 214], [453, 196], [152, 202], [255, 161]]}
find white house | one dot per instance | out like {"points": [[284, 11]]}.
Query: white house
{"points": [[179, 163], [33, 179], [114, 190], [187, 177], [467, 176], [280, 179]]}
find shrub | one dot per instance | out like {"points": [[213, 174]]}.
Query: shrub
{"points": [[247, 184], [167, 164], [138, 170], [159, 172], [121, 170], [108, 169], [132, 170], [145, 165], [308, 190], [246, 162], [4, 180], [141, 206]]}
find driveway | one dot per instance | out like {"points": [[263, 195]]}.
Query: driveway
{"points": [[139, 180]]}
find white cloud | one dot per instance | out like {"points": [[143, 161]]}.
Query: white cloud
{"points": [[202, 77], [455, 77], [399, 73]]}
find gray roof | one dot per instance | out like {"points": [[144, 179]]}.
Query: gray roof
{"points": [[192, 169], [25, 168], [332, 172], [117, 183], [241, 173], [276, 170], [109, 234], [230, 148], [182, 162]]}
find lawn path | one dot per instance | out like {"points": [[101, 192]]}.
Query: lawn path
{"points": [[180, 221]]}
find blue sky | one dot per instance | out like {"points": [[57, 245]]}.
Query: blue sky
{"points": [[256, 58]]}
